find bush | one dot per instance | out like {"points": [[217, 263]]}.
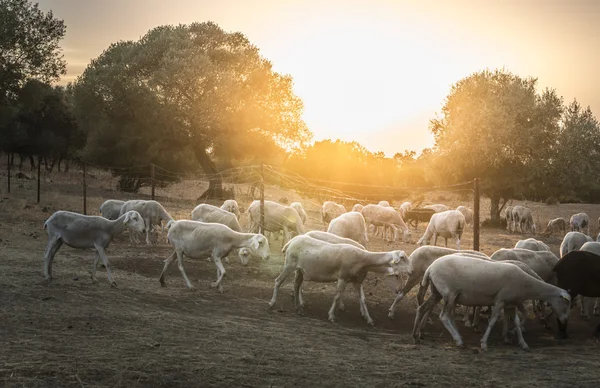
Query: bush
{"points": [[552, 200]]}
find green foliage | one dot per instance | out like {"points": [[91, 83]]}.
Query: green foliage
{"points": [[29, 45]]}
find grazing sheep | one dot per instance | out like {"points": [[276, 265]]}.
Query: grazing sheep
{"points": [[438, 208], [508, 215], [386, 217], [532, 244], [578, 222], [406, 206], [152, 212], [573, 241], [86, 232], [384, 203], [231, 206], [350, 225], [418, 262], [277, 217], [593, 247], [357, 208], [468, 213], [300, 209], [333, 238], [319, 261], [212, 214], [111, 209], [198, 240], [541, 262], [450, 223], [331, 210], [468, 281], [418, 215], [522, 216], [556, 225], [578, 272]]}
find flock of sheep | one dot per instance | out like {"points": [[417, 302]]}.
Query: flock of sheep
{"points": [[503, 282]]}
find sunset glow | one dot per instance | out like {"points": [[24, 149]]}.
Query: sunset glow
{"points": [[371, 72]]}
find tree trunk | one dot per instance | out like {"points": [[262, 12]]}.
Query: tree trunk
{"points": [[215, 182], [66, 165], [32, 162], [59, 160], [52, 165], [495, 209]]}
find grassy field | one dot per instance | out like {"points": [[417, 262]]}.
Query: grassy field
{"points": [[71, 333]]}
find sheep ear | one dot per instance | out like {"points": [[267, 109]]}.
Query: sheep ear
{"points": [[255, 242], [127, 216], [565, 296], [395, 260]]}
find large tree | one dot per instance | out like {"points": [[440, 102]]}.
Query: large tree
{"points": [[494, 125], [193, 88], [29, 45]]}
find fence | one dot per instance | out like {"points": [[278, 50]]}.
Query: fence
{"points": [[182, 189]]}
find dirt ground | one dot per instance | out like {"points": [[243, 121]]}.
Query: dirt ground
{"points": [[71, 333]]}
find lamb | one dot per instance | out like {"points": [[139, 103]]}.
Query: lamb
{"points": [[468, 213], [350, 225], [579, 273], [212, 214], [508, 215], [556, 225], [152, 212], [573, 241], [111, 209], [418, 262], [300, 209], [319, 261], [522, 216], [199, 240], [357, 208], [406, 206], [231, 206], [331, 210], [578, 222], [593, 247], [333, 238], [473, 282], [446, 224], [438, 208], [86, 232], [532, 244], [277, 217], [387, 217], [384, 203]]}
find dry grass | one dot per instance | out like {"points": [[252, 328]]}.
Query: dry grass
{"points": [[71, 333]]}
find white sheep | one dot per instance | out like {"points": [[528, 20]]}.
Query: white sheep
{"points": [[556, 225], [300, 209], [532, 244], [573, 241], [350, 225], [384, 203], [86, 232], [111, 209], [578, 222], [468, 213], [277, 217], [473, 282], [331, 210], [357, 207], [447, 224], [387, 217], [541, 262], [418, 262], [406, 206], [212, 214], [593, 247], [522, 216], [438, 208], [198, 240], [231, 206], [508, 216], [333, 238], [151, 211], [319, 261]]}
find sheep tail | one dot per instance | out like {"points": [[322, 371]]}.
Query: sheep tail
{"points": [[424, 286], [285, 247]]}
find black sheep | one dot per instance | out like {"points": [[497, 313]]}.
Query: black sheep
{"points": [[578, 272]]}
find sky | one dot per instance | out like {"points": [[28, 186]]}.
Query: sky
{"points": [[371, 71]]}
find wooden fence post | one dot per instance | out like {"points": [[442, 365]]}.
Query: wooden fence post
{"points": [[152, 178], [476, 214], [38, 178], [262, 199], [84, 191]]}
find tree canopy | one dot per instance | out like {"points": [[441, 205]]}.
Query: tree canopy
{"points": [[185, 90]]}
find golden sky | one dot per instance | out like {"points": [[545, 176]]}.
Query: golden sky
{"points": [[374, 71]]}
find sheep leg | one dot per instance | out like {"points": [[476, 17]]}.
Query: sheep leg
{"points": [[220, 274], [182, 269], [363, 304], [435, 239], [102, 254], [148, 227], [597, 307], [517, 321], [94, 266], [287, 271], [341, 286], [508, 311], [51, 249], [410, 283], [422, 314], [168, 262], [495, 314], [447, 318], [298, 279]]}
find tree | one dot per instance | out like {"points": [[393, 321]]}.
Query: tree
{"points": [[495, 126], [29, 45], [190, 88]]}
